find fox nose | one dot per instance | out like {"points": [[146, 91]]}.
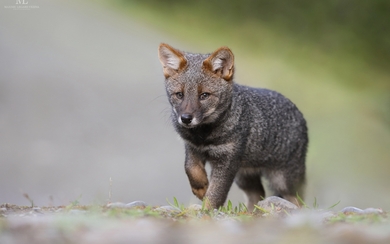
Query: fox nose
{"points": [[186, 118]]}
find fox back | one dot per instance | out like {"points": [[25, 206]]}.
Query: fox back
{"points": [[246, 134]]}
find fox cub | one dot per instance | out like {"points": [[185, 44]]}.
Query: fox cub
{"points": [[244, 133]]}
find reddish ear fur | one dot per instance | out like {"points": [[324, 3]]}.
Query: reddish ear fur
{"points": [[172, 60], [221, 63]]}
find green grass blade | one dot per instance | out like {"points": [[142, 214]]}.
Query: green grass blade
{"points": [[334, 205], [301, 201], [176, 202], [261, 209], [204, 204], [229, 206], [315, 205]]}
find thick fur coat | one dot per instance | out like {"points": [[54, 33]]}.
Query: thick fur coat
{"points": [[246, 134]]}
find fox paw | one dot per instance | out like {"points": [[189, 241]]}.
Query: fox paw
{"points": [[200, 192]]}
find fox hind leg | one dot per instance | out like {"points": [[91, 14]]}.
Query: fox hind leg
{"points": [[287, 185], [250, 183]]}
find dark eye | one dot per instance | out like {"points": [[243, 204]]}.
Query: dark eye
{"points": [[204, 96], [179, 95]]}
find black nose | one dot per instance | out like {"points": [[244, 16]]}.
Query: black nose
{"points": [[186, 118]]}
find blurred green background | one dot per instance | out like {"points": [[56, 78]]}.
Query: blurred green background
{"points": [[331, 58]]}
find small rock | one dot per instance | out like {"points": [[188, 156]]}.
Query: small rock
{"points": [[168, 209], [37, 210], [3, 210], [116, 205], [128, 205], [136, 204], [351, 210], [277, 206], [327, 215], [373, 211], [195, 207], [219, 216], [354, 210]]}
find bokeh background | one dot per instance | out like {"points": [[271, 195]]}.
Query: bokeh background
{"points": [[82, 98]]}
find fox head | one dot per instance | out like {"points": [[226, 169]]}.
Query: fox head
{"points": [[199, 86]]}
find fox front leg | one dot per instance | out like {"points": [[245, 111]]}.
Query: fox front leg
{"points": [[196, 172], [221, 179]]}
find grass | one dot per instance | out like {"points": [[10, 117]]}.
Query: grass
{"points": [[230, 224], [179, 212], [356, 218]]}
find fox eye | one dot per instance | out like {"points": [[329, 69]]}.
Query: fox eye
{"points": [[204, 96], [179, 95]]}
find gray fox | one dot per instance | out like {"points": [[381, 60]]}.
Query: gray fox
{"points": [[245, 134]]}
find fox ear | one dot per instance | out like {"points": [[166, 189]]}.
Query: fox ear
{"points": [[221, 62], [172, 60]]}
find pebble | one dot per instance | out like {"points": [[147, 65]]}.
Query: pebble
{"points": [[195, 207], [116, 205], [37, 210], [277, 206], [220, 216], [351, 210], [134, 204], [327, 215], [168, 208], [373, 211], [354, 210]]}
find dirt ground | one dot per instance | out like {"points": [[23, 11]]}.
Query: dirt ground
{"points": [[168, 224]]}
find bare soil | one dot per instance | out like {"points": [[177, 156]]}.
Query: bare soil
{"points": [[100, 224]]}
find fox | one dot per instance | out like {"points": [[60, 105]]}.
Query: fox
{"points": [[249, 136]]}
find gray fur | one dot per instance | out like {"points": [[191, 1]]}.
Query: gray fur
{"points": [[250, 133]]}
